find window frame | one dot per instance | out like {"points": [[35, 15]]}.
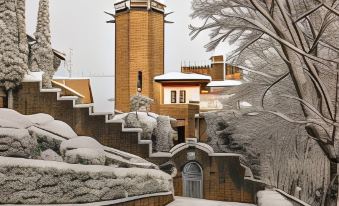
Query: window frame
{"points": [[184, 96], [173, 96]]}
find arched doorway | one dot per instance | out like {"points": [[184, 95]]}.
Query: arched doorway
{"points": [[192, 180]]}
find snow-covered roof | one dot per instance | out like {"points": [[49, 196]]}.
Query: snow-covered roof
{"points": [[226, 83], [178, 76], [33, 77], [160, 1], [71, 78]]}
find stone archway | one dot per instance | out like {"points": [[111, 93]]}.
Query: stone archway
{"points": [[192, 180]]}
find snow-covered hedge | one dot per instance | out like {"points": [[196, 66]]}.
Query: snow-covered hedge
{"points": [[45, 182], [61, 167]]}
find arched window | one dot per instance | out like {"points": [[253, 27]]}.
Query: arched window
{"points": [[192, 180]]}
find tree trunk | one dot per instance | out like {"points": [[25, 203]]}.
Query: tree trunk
{"points": [[331, 193], [10, 98]]}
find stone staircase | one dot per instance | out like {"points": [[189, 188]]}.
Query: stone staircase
{"points": [[31, 98]]}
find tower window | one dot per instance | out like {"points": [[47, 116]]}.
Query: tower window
{"points": [[173, 96], [182, 96], [139, 84]]}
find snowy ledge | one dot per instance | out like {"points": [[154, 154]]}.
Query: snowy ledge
{"points": [[119, 172], [33, 77], [292, 198], [109, 202]]}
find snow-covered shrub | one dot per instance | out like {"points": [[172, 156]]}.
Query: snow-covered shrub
{"points": [[48, 182], [16, 143], [83, 150], [140, 103], [85, 156], [147, 122], [46, 140], [50, 155], [163, 134]]}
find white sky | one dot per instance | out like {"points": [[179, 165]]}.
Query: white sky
{"points": [[80, 25]]}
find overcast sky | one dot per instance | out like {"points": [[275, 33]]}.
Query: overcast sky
{"points": [[80, 25]]}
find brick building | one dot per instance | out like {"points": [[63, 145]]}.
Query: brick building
{"points": [[139, 49], [139, 60]]}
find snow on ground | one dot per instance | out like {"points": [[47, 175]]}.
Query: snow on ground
{"points": [[185, 201]]}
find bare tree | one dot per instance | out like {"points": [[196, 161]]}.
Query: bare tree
{"points": [[13, 44], [301, 37]]}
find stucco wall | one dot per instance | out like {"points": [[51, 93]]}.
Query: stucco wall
{"points": [[192, 93]]}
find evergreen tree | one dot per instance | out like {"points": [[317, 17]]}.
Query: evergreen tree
{"points": [[13, 44], [42, 57]]}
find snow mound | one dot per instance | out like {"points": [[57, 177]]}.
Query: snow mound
{"points": [[50, 155], [59, 128], [83, 150], [80, 142], [85, 156], [40, 118], [46, 139], [13, 119]]}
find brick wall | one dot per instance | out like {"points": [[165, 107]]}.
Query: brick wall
{"points": [[149, 201], [139, 48], [2, 102], [29, 100], [223, 177], [184, 112], [217, 72], [122, 61]]}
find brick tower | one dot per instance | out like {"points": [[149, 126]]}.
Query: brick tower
{"points": [[139, 49]]}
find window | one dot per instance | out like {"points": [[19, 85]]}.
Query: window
{"points": [[139, 83], [173, 96], [182, 96]]}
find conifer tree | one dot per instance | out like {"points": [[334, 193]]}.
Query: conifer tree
{"points": [[42, 57], [13, 44]]}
